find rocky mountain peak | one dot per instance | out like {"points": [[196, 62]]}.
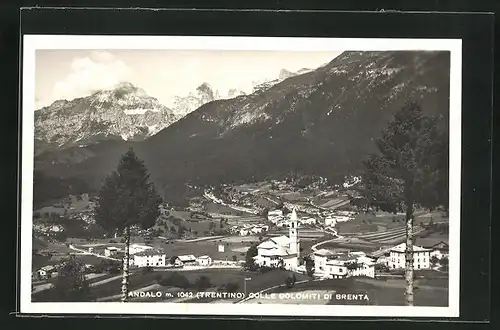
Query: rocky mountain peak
{"points": [[284, 74], [123, 112]]}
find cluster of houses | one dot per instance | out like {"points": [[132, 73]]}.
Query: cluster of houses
{"points": [[148, 256], [330, 264], [284, 251], [332, 218], [351, 181], [278, 218]]}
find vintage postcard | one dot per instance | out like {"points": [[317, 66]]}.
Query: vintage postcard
{"points": [[240, 176]]}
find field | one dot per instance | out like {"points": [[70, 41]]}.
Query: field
{"points": [[217, 277], [351, 244], [209, 247], [38, 261], [428, 292], [179, 247], [294, 197], [330, 203], [90, 259], [258, 281], [382, 221], [224, 210], [262, 202]]}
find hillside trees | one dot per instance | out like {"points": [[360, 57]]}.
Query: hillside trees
{"points": [[410, 169], [71, 285], [309, 263], [127, 199], [249, 261]]}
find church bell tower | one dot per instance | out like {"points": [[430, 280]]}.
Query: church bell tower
{"points": [[294, 235]]}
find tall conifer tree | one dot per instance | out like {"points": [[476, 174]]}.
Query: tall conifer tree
{"points": [[127, 199], [410, 170]]}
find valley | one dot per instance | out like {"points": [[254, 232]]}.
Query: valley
{"points": [[283, 160]]}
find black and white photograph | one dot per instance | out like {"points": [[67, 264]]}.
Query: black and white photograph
{"points": [[275, 176]]}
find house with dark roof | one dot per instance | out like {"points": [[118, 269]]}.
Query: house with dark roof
{"points": [[46, 272], [186, 260], [440, 250]]}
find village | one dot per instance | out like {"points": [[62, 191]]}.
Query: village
{"points": [[313, 231]]}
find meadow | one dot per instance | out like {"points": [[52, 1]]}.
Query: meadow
{"points": [[380, 292]]}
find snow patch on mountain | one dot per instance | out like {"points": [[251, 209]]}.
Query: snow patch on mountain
{"points": [[139, 111]]}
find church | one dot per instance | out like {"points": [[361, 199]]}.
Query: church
{"points": [[281, 251]]}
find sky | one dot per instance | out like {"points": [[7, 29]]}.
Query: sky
{"points": [[68, 74]]}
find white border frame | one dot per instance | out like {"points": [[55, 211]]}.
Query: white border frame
{"points": [[31, 43]]}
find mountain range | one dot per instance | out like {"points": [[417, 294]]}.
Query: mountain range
{"points": [[321, 122], [124, 112]]}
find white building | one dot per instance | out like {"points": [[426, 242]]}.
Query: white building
{"points": [[150, 258], [275, 215], [366, 267], [46, 271], [244, 231], [281, 251], [327, 264], [330, 221], [440, 250], [204, 261], [110, 251], [308, 221], [421, 257], [136, 248]]}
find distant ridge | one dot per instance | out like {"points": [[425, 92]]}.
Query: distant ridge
{"points": [[321, 122]]}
